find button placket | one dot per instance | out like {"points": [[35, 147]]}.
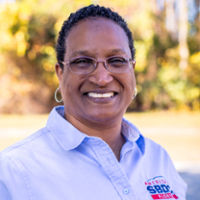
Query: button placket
{"points": [[113, 169]]}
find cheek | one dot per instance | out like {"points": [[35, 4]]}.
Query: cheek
{"points": [[70, 85], [67, 85]]}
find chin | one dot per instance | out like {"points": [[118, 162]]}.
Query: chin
{"points": [[105, 117]]}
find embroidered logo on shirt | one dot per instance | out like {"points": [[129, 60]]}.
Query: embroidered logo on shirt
{"points": [[159, 188]]}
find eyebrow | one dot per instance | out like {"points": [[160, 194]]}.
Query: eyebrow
{"points": [[118, 51], [91, 54], [81, 53]]}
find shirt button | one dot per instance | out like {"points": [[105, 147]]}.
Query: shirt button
{"points": [[126, 191]]}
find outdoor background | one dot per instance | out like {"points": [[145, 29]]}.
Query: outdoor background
{"points": [[167, 40]]}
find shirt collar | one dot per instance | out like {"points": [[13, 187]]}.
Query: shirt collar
{"points": [[69, 137], [132, 134], [65, 133]]}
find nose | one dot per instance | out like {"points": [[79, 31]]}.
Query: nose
{"points": [[100, 76]]}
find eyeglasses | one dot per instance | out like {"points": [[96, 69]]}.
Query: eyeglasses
{"points": [[86, 65]]}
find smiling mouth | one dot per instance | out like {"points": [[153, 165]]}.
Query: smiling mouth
{"points": [[101, 95]]}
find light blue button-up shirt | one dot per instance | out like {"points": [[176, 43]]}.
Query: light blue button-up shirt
{"points": [[61, 163]]}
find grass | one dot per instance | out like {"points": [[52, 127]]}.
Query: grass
{"points": [[177, 132]]}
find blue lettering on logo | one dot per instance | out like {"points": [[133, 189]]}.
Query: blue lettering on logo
{"points": [[158, 188], [151, 189], [165, 188]]}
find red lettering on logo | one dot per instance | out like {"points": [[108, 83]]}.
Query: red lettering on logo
{"points": [[175, 197], [164, 196]]}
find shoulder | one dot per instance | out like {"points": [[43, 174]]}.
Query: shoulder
{"points": [[149, 146], [15, 159], [25, 144], [152, 146], [156, 162]]}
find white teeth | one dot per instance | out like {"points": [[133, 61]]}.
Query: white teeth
{"points": [[98, 95]]}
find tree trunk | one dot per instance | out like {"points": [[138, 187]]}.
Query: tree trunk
{"points": [[171, 20], [182, 34]]}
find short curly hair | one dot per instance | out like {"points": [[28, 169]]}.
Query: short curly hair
{"points": [[87, 12]]}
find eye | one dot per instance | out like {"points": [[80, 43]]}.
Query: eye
{"points": [[80, 61], [117, 60]]}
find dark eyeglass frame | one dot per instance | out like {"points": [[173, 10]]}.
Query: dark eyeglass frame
{"points": [[129, 60]]}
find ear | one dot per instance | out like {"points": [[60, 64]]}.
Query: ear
{"points": [[59, 72], [134, 63]]}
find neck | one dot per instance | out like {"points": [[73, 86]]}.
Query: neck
{"points": [[110, 132]]}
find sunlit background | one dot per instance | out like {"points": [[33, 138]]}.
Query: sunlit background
{"points": [[167, 40]]}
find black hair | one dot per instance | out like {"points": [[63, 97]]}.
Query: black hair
{"points": [[87, 12]]}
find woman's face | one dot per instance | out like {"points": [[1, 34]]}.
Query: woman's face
{"points": [[89, 98]]}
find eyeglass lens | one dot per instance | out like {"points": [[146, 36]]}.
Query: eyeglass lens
{"points": [[85, 65]]}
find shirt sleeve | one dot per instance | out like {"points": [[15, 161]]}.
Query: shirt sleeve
{"points": [[180, 186], [177, 184], [13, 183], [156, 154]]}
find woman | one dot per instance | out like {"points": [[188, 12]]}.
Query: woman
{"points": [[87, 150]]}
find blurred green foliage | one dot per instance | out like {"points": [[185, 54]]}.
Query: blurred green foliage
{"points": [[27, 56]]}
